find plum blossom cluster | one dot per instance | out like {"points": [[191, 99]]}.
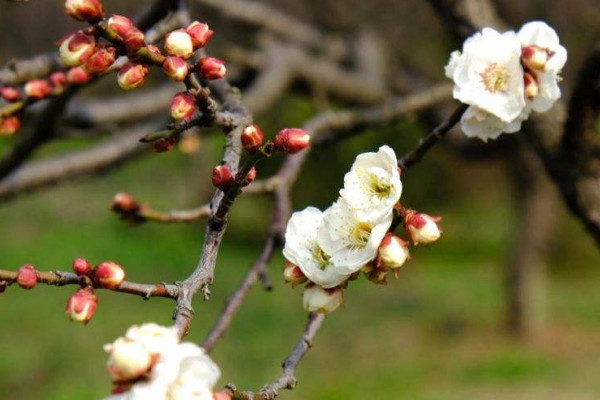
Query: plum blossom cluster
{"points": [[95, 50], [503, 77], [149, 363], [328, 248]]}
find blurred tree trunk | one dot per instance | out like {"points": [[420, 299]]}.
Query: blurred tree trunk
{"points": [[526, 269]]}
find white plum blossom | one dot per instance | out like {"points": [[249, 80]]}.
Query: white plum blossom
{"points": [[322, 301], [544, 38], [351, 241], [488, 73], [181, 371], [302, 249], [479, 123], [373, 187]]}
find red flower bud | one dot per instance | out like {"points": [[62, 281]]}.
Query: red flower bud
{"points": [[133, 39], [531, 86], [393, 251], [292, 140], [179, 43], [175, 68], [211, 68], [10, 94], [422, 228], [9, 125], [76, 48], [27, 277], [81, 305], [182, 106], [84, 10], [252, 138], [58, 79], [200, 33], [118, 25], [153, 53], [109, 275], [124, 202], [81, 266], [534, 57], [78, 76], [250, 177], [101, 60], [132, 75], [37, 89], [163, 145], [293, 274], [222, 178]]}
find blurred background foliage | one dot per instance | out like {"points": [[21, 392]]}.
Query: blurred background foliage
{"points": [[438, 332]]}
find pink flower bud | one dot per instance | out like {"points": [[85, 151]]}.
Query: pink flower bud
{"points": [[37, 89], [27, 277], [81, 266], [76, 48], [78, 76], [179, 43], [84, 10], [109, 275], [118, 25], [182, 106], [322, 301], [58, 79], [422, 228], [10, 94], [81, 305], [534, 57], [252, 138], [393, 251], [222, 178], [9, 125], [200, 33], [175, 68], [128, 360], [131, 75], [133, 39], [154, 54], [531, 86], [211, 68], [101, 60], [124, 202], [292, 140], [222, 395], [164, 144], [249, 178], [292, 274]]}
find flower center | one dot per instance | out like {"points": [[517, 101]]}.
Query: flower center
{"points": [[321, 258], [376, 182], [495, 78], [360, 234]]}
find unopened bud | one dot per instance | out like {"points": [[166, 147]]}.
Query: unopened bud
{"points": [[127, 360], [222, 178], [101, 60], [322, 301], [534, 57], [109, 275], [58, 80], [164, 144], [76, 49], [37, 89], [378, 275], [27, 277], [393, 251], [78, 76], [124, 202], [211, 68], [422, 228], [293, 274], [81, 305], [9, 125], [200, 33], [131, 75], [176, 68], [133, 39], [222, 395], [10, 94], [153, 53], [292, 140], [531, 86], [81, 266], [252, 138], [182, 106], [179, 43], [118, 25], [249, 178], [84, 10]]}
